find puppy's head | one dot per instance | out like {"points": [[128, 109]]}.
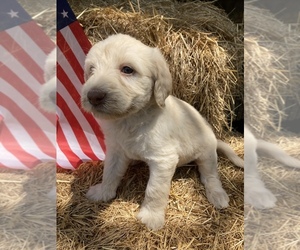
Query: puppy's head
{"points": [[123, 76], [47, 97]]}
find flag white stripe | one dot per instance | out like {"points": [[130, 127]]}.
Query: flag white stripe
{"points": [[12, 63], [63, 62], [71, 137], [62, 160], [27, 106], [73, 44], [26, 42], [7, 159], [24, 139]]}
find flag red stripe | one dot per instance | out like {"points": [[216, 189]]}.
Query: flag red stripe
{"points": [[81, 137], [69, 55], [9, 76], [22, 56], [28, 93], [65, 148], [64, 79], [36, 133], [42, 40], [14, 147], [81, 37]]}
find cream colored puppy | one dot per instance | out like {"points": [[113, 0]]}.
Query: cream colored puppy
{"points": [[256, 194], [127, 88], [48, 90]]}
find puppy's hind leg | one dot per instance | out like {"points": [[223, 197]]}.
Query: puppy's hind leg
{"points": [[152, 212], [255, 192], [115, 166], [209, 177]]}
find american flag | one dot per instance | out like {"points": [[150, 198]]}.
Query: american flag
{"points": [[27, 134], [79, 137]]}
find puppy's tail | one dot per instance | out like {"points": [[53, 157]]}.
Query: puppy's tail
{"points": [[271, 150], [228, 151]]}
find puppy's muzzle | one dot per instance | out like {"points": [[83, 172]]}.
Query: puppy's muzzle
{"points": [[96, 97], [52, 96]]}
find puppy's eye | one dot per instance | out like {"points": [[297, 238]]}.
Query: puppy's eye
{"points": [[127, 70], [91, 69]]}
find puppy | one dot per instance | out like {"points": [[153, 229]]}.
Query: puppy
{"points": [[256, 194], [47, 97], [127, 88]]}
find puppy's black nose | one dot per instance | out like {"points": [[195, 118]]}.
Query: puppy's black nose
{"points": [[96, 96], [52, 96]]}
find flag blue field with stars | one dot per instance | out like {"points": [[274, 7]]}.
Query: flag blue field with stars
{"points": [[12, 14], [65, 15]]}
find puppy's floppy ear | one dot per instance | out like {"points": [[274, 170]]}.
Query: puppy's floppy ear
{"points": [[162, 78]]}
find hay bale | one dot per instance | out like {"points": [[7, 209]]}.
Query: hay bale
{"points": [[275, 97], [264, 75], [202, 60], [202, 16], [27, 215], [191, 221], [262, 24], [198, 45], [292, 93]]}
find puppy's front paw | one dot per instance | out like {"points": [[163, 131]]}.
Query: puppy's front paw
{"points": [[153, 220], [218, 197], [257, 195], [100, 193], [261, 198]]}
